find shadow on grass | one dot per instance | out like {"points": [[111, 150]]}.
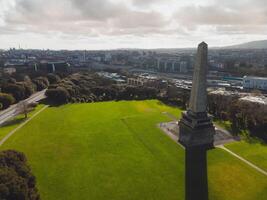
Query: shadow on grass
{"points": [[50, 103], [13, 122], [172, 103], [253, 137], [160, 102]]}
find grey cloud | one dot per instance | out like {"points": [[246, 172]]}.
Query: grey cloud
{"points": [[147, 2], [227, 17], [216, 15], [99, 9], [140, 19], [91, 17], [205, 15], [245, 29]]}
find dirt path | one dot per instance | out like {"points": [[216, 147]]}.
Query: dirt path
{"points": [[20, 126]]}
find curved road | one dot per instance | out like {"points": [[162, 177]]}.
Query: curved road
{"points": [[11, 111]]}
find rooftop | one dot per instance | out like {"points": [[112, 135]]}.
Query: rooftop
{"points": [[255, 99]]}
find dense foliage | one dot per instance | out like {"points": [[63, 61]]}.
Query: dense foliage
{"points": [[6, 100], [243, 115], [41, 83], [89, 87], [18, 87], [16, 179]]}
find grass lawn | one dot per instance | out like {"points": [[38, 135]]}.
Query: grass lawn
{"points": [[249, 148], [255, 152], [15, 122], [114, 150]]}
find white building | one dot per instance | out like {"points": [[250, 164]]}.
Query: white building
{"points": [[251, 82]]}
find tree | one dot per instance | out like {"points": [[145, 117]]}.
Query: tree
{"points": [[41, 83], [17, 91], [29, 88], [58, 96], [53, 78], [6, 100], [23, 107], [16, 179]]}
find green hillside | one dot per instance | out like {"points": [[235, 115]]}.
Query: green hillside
{"points": [[114, 150]]}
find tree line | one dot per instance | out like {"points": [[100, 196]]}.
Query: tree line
{"points": [[90, 87], [245, 116], [19, 87]]}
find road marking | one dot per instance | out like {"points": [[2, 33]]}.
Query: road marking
{"points": [[244, 160], [20, 126]]}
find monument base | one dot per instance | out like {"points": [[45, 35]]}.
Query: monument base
{"points": [[196, 129], [196, 135]]}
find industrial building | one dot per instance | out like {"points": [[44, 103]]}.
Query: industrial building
{"points": [[252, 82]]}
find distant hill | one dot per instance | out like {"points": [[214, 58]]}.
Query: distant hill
{"points": [[261, 44]]}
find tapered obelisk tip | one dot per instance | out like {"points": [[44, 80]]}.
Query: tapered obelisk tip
{"points": [[198, 98]]}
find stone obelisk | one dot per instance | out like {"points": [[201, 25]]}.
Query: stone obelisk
{"points": [[196, 131]]}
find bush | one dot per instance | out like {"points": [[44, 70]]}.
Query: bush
{"points": [[53, 78], [41, 83], [17, 91], [6, 100], [58, 96], [16, 179], [29, 87]]}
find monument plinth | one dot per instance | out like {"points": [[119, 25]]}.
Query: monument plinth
{"points": [[196, 131]]}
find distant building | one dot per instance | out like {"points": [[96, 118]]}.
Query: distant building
{"points": [[251, 82], [9, 70], [108, 57], [183, 67], [113, 76], [148, 81], [51, 67]]}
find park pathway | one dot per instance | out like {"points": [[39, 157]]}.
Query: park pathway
{"points": [[175, 138], [10, 112], [244, 160], [20, 126]]}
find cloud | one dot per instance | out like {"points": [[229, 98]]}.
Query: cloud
{"points": [[224, 13], [143, 3], [139, 19], [102, 19], [242, 29], [92, 17]]}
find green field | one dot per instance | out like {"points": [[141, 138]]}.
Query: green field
{"points": [[114, 150], [254, 152], [251, 149], [16, 121]]}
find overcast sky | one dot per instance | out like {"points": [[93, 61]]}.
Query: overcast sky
{"points": [[111, 24]]}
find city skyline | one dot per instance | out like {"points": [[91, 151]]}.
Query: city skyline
{"points": [[113, 24]]}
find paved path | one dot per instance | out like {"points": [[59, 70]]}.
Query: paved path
{"points": [[20, 126], [10, 112], [174, 137], [221, 137], [244, 160]]}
